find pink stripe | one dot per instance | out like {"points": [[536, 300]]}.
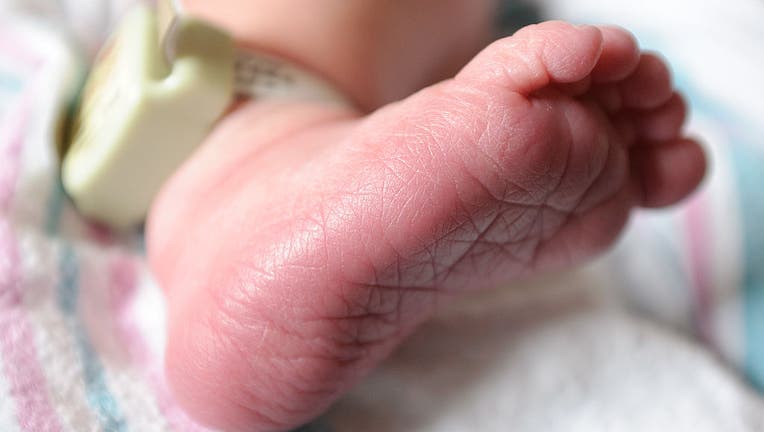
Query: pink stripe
{"points": [[12, 45], [700, 264], [124, 277], [100, 234], [28, 386], [10, 158], [29, 392]]}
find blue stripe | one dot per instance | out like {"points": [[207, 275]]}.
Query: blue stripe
{"points": [[749, 169], [98, 395], [10, 83], [68, 286], [55, 207]]}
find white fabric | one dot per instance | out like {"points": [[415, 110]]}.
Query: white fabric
{"points": [[559, 354]]}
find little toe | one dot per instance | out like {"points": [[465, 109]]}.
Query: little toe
{"points": [[649, 86], [664, 123], [665, 174]]}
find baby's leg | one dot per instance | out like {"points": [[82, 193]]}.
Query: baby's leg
{"points": [[377, 50], [301, 243]]}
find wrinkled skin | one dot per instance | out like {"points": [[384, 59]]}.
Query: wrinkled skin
{"points": [[302, 243]]}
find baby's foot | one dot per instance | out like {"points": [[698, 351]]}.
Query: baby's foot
{"points": [[301, 244]]}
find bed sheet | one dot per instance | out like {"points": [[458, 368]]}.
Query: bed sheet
{"points": [[664, 332]]}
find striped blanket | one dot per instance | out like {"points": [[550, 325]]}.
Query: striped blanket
{"points": [[82, 321]]}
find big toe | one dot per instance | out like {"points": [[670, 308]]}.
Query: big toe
{"points": [[555, 53]]}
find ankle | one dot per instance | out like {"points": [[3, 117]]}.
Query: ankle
{"points": [[374, 51]]}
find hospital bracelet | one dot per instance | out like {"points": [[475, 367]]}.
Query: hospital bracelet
{"points": [[157, 88]]}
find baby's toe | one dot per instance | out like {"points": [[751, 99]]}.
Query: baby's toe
{"points": [[663, 123], [666, 173], [649, 86], [620, 56], [537, 56]]}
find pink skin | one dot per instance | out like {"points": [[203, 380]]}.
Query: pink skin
{"points": [[377, 50], [302, 243]]}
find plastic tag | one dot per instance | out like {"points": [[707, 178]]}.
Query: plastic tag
{"points": [[142, 113]]}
